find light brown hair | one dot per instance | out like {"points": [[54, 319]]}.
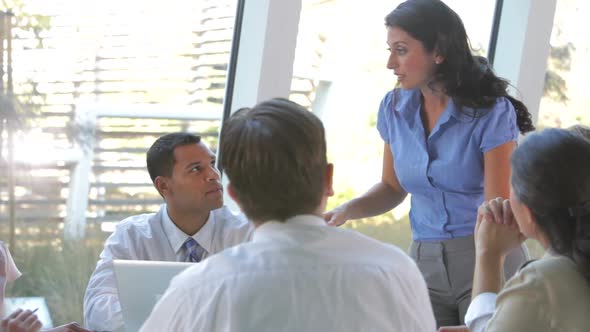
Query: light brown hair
{"points": [[275, 157]]}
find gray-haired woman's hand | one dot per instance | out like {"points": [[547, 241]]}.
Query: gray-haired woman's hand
{"points": [[496, 231]]}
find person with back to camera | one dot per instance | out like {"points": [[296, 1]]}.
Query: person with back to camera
{"points": [[550, 203], [297, 274], [449, 130]]}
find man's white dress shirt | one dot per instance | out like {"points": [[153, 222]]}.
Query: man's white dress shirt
{"points": [[152, 237], [301, 275]]}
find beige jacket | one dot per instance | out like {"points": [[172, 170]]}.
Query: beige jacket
{"points": [[547, 295]]}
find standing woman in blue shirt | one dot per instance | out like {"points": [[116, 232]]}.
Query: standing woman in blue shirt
{"points": [[449, 130]]}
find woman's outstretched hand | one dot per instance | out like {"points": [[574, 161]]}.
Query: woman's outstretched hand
{"points": [[337, 216]]}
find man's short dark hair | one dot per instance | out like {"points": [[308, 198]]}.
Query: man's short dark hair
{"points": [[275, 157], [160, 156]]}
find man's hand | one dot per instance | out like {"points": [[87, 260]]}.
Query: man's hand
{"points": [[21, 321]]}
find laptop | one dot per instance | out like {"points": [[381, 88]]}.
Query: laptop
{"points": [[140, 285]]}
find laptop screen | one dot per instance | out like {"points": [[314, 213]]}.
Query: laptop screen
{"points": [[140, 285]]}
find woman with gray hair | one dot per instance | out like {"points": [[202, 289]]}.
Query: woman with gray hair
{"points": [[550, 203]]}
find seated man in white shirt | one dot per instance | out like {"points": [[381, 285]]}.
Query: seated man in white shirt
{"points": [[183, 171], [298, 273]]}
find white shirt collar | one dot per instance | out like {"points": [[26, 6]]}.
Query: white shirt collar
{"points": [[271, 228], [177, 237], [204, 236]]}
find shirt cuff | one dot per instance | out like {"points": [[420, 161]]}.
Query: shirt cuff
{"points": [[480, 311]]}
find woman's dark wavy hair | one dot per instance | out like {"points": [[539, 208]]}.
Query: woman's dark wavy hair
{"points": [[466, 78], [551, 176]]}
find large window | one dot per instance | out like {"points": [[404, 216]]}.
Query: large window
{"points": [[566, 100], [92, 84], [340, 74], [89, 85]]}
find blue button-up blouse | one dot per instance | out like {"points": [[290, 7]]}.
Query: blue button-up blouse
{"points": [[444, 173]]}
